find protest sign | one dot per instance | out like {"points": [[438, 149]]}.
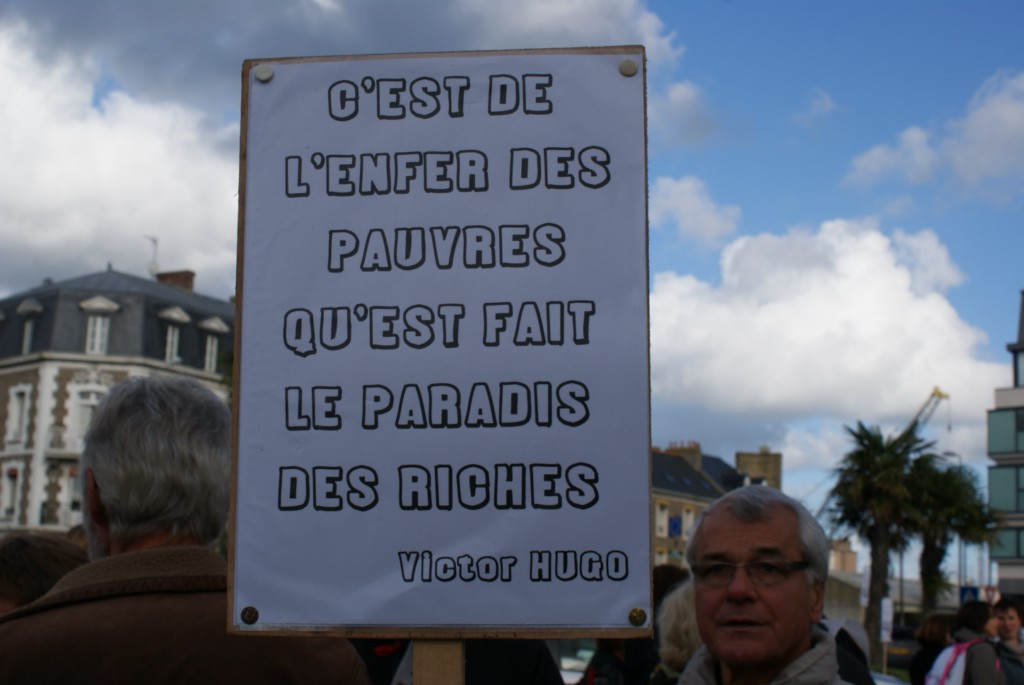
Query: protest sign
{"points": [[442, 378]]}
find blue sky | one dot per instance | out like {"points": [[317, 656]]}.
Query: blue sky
{"points": [[836, 189], [883, 67]]}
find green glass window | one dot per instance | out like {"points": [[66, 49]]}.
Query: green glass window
{"points": [[1005, 431], [1004, 493], [1006, 545]]}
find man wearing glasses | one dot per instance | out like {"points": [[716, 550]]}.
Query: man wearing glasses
{"points": [[759, 562]]}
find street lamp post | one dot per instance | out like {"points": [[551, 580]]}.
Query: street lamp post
{"points": [[959, 540]]}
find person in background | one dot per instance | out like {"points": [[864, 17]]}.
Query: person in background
{"points": [[1009, 647], [488, 662], [976, 624], [933, 636], [631, 662], [678, 637], [151, 606], [851, 650], [30, 564]]}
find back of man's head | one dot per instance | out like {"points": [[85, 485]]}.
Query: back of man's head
{"points": [[158, 451]]}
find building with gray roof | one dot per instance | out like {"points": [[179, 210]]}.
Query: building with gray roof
{"points": [[62, 346]]}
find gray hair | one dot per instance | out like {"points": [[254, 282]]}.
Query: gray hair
{"points": [[678, 637], [158, 448], [757, 503]]}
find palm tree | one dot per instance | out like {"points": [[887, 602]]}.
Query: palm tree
{"points": [[872, 497], [946, 501]]}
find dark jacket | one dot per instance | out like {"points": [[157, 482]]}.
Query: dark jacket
{"points": [[488, 662], [159, 617], [982, 662], [1012, 662], [922, 661]]}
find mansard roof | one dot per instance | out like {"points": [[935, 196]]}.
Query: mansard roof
{"points": [[116, 282], [674, 474]]}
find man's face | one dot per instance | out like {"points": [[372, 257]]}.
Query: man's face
{"points": [[752, 629], [1009, 625]]}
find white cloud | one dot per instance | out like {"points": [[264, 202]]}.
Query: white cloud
{"points": [[931, 268], [989, 141], [681, 115], [913, 158], [814, 447], [82, 184], [555, 23], [687, 204], [984, 148], [839, 323], [819, 106]]}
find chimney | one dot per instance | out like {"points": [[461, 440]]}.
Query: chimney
{"points": [[764, 464], [689, 451], [179, 279]]}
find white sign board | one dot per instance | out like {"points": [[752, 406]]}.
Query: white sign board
{"points": [[442, 381]]}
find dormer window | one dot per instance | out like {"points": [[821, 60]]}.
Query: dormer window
{"points": [[29, 309], [171, 355], [97, 333], [215, 327], [210, 360], [98, 310], [174, 316]]}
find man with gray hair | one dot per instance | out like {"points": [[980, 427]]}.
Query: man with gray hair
{"points": [[151, 606], [759, 561]]}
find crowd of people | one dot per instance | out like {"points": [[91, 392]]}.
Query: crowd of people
{"points": [[986, 639], [143, 598]]}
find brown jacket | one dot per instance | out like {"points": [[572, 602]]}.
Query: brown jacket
{"points": [[157, 616]]}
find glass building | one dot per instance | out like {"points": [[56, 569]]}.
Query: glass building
{"points": [[1006, 478]]}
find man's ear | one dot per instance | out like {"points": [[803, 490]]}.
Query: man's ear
{"points": [[98, 526], [817, 601]]}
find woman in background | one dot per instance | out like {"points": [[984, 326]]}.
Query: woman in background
{"points": [[933, 636]]}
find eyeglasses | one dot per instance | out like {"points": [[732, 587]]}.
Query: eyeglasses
{"points": [[760, 573]]}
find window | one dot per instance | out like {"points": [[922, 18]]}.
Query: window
{"points": [[214, 327], [11, 500], [1007, 544], [1006, 488], [18, 414], [661, 521], [81, 414], [211, 354], [171, 345], [98, 311], [97, 331], [175, 318], [30, 309], [27, 333], [1005, 431]]}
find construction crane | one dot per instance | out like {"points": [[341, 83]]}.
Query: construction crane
{"points": [[926, 410], [919, 420]]}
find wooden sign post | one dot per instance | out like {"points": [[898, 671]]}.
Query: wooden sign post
{"points": [[442, 376]]}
